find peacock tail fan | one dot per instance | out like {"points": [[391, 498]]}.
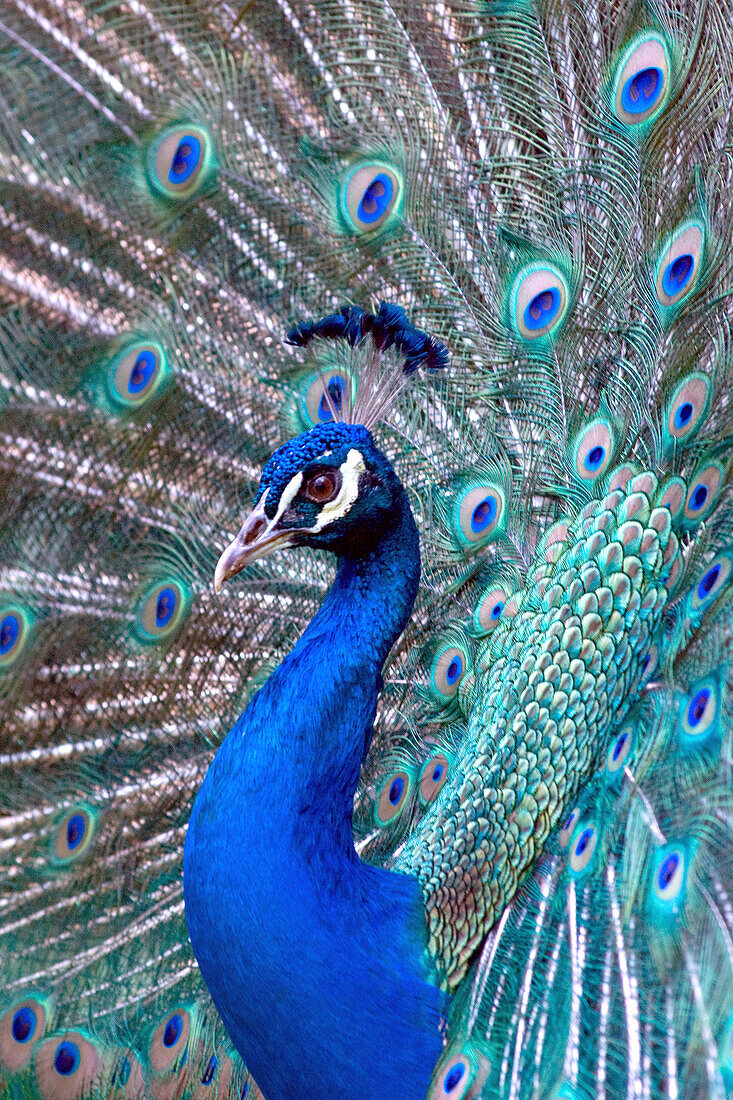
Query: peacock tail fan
{"points": [[546, 191]]}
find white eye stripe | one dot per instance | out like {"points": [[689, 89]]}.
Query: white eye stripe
{"points": [[351, 470], [288, 494]]}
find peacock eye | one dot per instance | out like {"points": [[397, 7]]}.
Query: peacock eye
{"points": [[323, 486]]}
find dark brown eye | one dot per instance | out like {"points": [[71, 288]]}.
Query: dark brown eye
{"points": [[323, 486]]}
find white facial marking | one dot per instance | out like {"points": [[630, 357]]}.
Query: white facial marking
{"points": [[289, 492], [344, 502]]}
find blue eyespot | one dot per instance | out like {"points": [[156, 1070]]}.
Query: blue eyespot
{"points": [[9, 632], [678, 270], [168, 1047], [162, 610], [165, 607], [142, 371], [594, 459], [543, 309], [185, 159], [336, 391], [581, 852], [699, 716], [676, 277], [478, 510], [376, 200], [698, 498], [76, 827], [14, 631], [592, 450], [392, 797], [483, 514], [370, 197], [453, 1076], [641, 83], [24, 1024], [707, 583], [667, 869], [210, 1071], [619, 746], [432, 778], [714, 579], [135, 374], [450, 664], [567, 829], [122, 1072], [497, 610], [583, 842], [538, 300], [173, 1029], [179, 162], [67, 1058], [683, 414], [697, 707], [396, 788], [454, 670], [703, 491], [74, 833], [668, 879], [642, 90]]}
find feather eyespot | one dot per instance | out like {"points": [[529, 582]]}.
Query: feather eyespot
{"points": [[20, 1028], [74, 834], [563, 837], [688, 406], [449, 668], [700, 711], [712, 582], [136, 374], [641, 86], [455, 1076], [593, 450], [393, 797], [15, 628], [702, 493], [180, 162], [649, 664], [668, 874], [582, 849], [210, 1071], [620, 751], [24, 1024], [326, 396], [432, 779], [169, 1042], [538, 300], [679, 266], [478, 513], [487, 614], [162, 610], [67, 1066], [370, 197]]}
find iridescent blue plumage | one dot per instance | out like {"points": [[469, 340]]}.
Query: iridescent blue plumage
{"points": [[227, 226], [316, 961]]}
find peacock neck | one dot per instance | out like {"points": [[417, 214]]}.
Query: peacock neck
{"points": [[284, 918], [326, 689]]}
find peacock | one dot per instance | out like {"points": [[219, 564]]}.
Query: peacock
{"points": [[366, 656]]}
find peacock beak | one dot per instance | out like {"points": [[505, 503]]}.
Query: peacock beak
{"points": [[257, 537]]}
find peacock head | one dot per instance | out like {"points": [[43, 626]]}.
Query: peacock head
{"points": [[328, 488]]}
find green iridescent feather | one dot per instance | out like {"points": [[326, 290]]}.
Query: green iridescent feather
{"points": [[546, 189]]}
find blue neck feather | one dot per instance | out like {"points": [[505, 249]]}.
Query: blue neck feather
{"points": [[316, 961]]}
